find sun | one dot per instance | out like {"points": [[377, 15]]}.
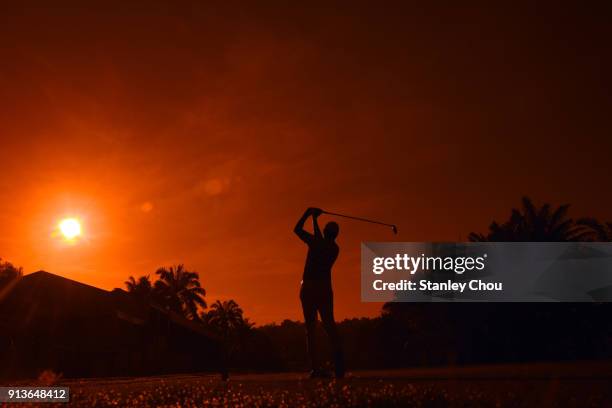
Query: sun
{"points": [[70, 228]]}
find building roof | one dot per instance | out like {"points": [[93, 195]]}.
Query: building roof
{"points": [[45, 296]]}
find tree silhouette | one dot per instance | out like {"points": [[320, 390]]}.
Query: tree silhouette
{"points": [[141, 288], [226, 317], [533, 224], [9, 274], [597, 231], [179, 290]]}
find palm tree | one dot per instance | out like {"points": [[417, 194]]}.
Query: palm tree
{"points": [[226, 316], [9, 275], [179, 290], [140, 288], [532, 224], [597, 231]]}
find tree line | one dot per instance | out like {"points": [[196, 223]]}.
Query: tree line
{"points": [[179, 290], [531, 223]]}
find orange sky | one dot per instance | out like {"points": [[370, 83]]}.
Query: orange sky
{"points": [[198, 135]]}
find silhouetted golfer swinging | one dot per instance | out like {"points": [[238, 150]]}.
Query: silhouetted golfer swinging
{"points": [[316, 291]]}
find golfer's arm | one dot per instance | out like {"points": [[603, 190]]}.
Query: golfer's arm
{"points": [[315, 226], [299, 227]]}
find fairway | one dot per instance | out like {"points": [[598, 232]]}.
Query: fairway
{"points": [[544, 385]]}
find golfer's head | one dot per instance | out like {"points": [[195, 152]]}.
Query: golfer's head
{"points": [[331, 230]]}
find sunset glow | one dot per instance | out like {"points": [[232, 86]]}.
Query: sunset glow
{"points": [[70, 228], [183, 134]]}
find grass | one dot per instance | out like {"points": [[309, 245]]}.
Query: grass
{"points": [[367, 390]]}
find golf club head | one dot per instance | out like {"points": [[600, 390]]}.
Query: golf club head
{"points": [[394, 229]]}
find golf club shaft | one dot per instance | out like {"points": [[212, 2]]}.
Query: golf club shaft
{"points": [[358, 219]]}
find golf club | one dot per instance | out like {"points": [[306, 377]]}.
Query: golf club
{"points": [[393, 227]]}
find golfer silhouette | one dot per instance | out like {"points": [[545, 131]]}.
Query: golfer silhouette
{"points": [[316, 291]]}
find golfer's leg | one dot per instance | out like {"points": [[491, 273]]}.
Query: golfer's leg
{"points": [[309, 309], [326, 309]]}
